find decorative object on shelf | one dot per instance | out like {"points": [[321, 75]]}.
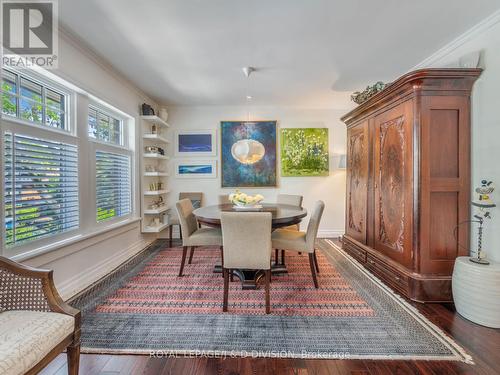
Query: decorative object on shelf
{"points": [[147, 110], [304, 152], [196, 143], [163, 114], [157, 204], [361, 97], [248, 153], [196, 169], [155, 186], [242, 200], [475, 291], [154, 150], [155, 129], [483, 203]]}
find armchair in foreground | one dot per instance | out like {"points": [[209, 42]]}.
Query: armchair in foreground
{"points": [[36, 325]]}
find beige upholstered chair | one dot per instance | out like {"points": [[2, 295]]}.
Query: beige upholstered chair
{"points": [[193, 236], [302, 241], [174, 218], [292, 200], [224, 199], [247, 245]]}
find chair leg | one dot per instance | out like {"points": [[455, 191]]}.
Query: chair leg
{"points": [[313, 270], [225, 272], [191, 255], [184, 253], [268, 297], [73, 358], [276, 256], [170, 230], [316, 262], [180, 232], [283, 256]]}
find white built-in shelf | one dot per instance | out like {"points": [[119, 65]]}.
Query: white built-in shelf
{"points": [[156, 156], [148, 229], [155, 120], [156, 192], [155, 174], [156, 211], [155, 137]]}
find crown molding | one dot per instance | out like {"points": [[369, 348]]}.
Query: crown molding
{"points": [[470, 34], [82, 46]]}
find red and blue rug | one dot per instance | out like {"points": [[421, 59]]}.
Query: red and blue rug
{"points": [[144, 307], [157, 289]]}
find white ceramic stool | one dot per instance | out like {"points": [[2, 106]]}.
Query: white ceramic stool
{"points": [[476, 291]]}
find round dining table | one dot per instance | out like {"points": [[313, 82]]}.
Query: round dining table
{"points": [[282, 215]]}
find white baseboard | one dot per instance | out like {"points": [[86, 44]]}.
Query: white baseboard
{"points": [[330, 233], [87, 277]]}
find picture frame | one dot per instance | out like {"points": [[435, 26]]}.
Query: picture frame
{"points": [[259, 174], [198, 142], [195, 169]]}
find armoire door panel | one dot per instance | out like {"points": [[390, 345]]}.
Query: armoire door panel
{"points": [[393, 176], [445, 191], [357, 182]]}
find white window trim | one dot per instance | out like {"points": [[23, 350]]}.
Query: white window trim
{"points": [[55, 86], [77, 119]]}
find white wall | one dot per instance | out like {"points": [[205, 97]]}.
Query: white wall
{"points": [[330, 189], [484, 37], [80, 264]]}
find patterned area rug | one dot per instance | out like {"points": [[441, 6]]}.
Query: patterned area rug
{"points": [[143, 307], [156, 289]]}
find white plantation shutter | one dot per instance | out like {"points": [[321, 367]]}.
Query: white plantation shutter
{"points": [[41, 188], [113, 185]]}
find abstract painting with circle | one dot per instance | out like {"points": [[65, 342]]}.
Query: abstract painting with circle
{"points": [[248, 154]]}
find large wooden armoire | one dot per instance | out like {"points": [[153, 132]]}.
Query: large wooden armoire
{"points": [[408, 181]]}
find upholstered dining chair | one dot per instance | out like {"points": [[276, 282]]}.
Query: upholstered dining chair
{"points": [[292, 200], [196, 200], [247, 246], [224, 199], [192, 235], [302, 241]]}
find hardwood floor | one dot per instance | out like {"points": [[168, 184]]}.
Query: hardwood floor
{"points": [[482, 343]]}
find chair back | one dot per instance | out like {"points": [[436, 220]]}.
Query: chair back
{"points": [[195, 198], [188, 221], [292, 200], [246, 237], [313, 226], [224, 199]]}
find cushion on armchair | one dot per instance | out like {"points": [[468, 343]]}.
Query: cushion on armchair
{"points": [[26, 337]]}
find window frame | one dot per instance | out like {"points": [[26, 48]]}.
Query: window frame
{"points": [[76, 133], [35, 132], [124, 149], [69, 123], [104, 110]]}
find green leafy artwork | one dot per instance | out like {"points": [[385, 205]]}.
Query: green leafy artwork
{"points": [[304, 152]]}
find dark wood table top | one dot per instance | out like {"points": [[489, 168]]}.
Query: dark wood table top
{"points": [[283, 214]]}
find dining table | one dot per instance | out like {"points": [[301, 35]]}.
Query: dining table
{"points": [[283, 215]]}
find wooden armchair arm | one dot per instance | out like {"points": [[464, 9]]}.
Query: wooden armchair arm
{"points": [[27, 288]]}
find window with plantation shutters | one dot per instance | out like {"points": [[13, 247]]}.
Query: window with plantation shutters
{"points": [[40, 187], [113, 185]]}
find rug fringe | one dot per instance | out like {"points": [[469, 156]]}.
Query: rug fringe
{"points": [[431, 327]]}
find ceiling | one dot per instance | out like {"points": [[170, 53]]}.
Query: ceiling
{"points": [[308, 53]]}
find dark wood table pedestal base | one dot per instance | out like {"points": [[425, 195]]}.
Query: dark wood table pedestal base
{"points": [[249, 279]]}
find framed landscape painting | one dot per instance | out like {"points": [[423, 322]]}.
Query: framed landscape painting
{"points": [[304, 152], [195, 143], [248, 153], [195, 169]]}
